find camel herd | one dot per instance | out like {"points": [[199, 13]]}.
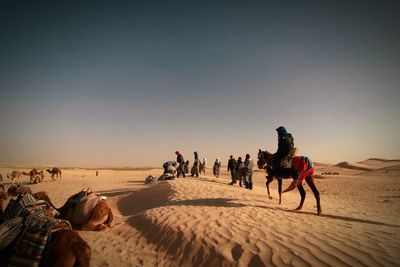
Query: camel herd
{"points": [[35, 176], [21, 211]]}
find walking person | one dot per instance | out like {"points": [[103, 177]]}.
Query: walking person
{"points": [[239, 171], [248, 171], [232, 169], [187, 167], [216, 167], [204, 166], [181, 162], [196, 165]]}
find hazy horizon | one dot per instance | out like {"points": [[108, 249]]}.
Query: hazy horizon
{"points": [[128, 84]]}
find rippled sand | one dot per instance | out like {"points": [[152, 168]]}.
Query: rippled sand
{"points": [[206, 222]]}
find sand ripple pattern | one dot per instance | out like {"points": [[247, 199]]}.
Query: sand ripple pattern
{"points": [[200, 223]]}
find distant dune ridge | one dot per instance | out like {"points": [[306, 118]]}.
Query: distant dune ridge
{"points": [[206, 222], [354, 166]]}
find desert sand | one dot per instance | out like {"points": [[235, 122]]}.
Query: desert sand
{"points": [[206, 222]]}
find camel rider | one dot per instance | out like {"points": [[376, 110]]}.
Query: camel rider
{"points": [[302, 167], [181, 162], [285, 145]]}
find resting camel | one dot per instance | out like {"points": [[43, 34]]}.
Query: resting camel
{"points": [[65, 248], [16, 190], [13, 175], [54, 172], [35, 176], [264, 162], [89, 213]]}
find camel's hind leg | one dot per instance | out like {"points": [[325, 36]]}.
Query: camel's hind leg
{"points": [[302, 195], [311, 184], [99, 217]]}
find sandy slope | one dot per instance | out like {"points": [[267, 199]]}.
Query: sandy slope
{"points": [[205, 222]]}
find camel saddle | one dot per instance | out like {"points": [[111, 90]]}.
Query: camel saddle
{"points": [[83, 210], [30, 245]]}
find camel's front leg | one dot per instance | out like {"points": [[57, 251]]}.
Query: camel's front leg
{"points": [[269, 180], [280, 190]]}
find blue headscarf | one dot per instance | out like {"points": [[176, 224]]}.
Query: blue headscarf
{"points": [[281, 130]]}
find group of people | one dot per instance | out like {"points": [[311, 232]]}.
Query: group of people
{"points": [[241, 170], [197, 167], [180, 167]]}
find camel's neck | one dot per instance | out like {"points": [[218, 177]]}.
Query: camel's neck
{"points": [[268, 156]]}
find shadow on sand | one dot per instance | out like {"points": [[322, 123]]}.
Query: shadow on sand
{"points": [[160, 194]]}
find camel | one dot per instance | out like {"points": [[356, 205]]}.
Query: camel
{"points": [[16, 190], [54, 172], [13, 175], [86, 211], [90, 213], [264, 162], [36, 176], [65, 248]]}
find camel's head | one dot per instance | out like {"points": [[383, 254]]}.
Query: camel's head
{"points": [[263, 159], [16, 190]]}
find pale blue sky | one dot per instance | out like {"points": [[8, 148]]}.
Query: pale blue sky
{"points": [[130, 83]]}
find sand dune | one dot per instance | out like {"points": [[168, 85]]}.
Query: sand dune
{"points": [[355, 166], [380, 163], [206, 222]]}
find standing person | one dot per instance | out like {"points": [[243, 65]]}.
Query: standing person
{"points": [[232, 168], [187, 167], [285, 145], [248, 172], [216, 167], [181, 162], [196, 165], [239, 171], [204, 167]]}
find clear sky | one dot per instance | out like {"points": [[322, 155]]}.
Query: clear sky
{"points": [[129, 83]]}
